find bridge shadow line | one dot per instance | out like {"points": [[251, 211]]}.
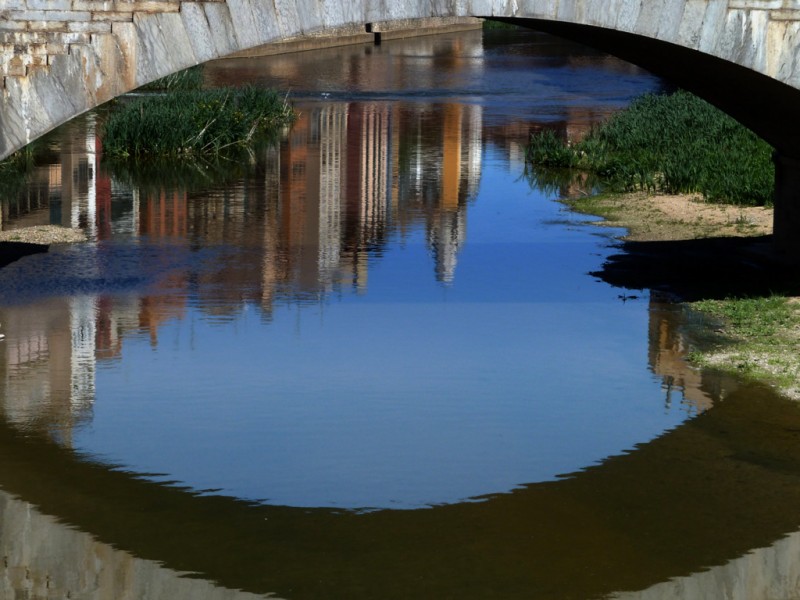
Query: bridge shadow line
{"points": [[702, 269]]}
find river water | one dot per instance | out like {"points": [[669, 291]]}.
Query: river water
{"points": [[369, 361]]}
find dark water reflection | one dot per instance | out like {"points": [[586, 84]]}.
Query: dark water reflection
{"points": [[378, 314]]}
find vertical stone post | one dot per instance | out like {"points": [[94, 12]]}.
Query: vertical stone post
{"points": [[786, 223]]}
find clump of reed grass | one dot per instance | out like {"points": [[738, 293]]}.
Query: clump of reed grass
{"points": [[192, 124], [14, 170], [671, 143], [492, 24], [188, 79]]}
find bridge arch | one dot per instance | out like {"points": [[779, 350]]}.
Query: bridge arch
{"points": [[60, 58]]}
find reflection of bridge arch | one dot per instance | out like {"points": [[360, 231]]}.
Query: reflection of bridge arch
{"points": [[701, 495]]}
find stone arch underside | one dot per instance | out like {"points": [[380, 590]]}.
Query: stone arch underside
{"points": [[740, 54], [60, 58]]}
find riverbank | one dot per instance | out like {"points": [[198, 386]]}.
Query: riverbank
{"points": [[19, 243], [716, 259]]}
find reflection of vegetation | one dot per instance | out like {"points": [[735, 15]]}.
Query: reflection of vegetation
{"points": [[195, 123], [669, 143], [561, 183], [187, 175], [15, 169], [188, 79]]}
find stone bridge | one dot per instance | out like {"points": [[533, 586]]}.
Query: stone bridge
{"points": [[59, 58]]}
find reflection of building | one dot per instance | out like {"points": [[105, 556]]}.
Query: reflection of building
{"points": [[48, 364], [68, 189], [460, 166], [668, 347], [309, 218], [48, 358]]}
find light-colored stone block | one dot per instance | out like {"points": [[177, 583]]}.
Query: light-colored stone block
{"points": [[163, 46], [198, 30], [110, 16], [223, 31], [691, 26], [53, 15], [650, 15], [244, 23], [713, 26], [49, 4], [628, 14]]}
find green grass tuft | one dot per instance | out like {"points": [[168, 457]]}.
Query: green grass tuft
{"points": [[668, 143], [751, 318], [194, 124], [15, 169], [188, 79]]}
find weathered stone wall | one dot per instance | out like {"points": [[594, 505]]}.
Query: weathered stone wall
{"points": [[59, 58]]}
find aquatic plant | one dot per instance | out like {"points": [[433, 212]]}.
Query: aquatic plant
{"points": [[187, 175], [194, 123], [188, 79], [14, 170], [671, 143], [492, 24]]}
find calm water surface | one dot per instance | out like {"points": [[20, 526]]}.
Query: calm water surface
{"points": [[369, 362]]}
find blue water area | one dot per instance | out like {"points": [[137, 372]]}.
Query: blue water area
{"points": [[412, 393], [383, 312]]}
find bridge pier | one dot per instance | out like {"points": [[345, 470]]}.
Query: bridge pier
{"points": [[786, 220]]}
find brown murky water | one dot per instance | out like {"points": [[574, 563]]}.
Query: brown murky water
{"points": [[369, 363]]}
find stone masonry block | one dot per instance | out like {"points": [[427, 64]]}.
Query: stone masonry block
{"points": [[49, 25], [755, 4], [785, 15], [49, 4], [153, 6], [198, 29], [35, 50], [223, 32], [691, 24], [90, 27], [13, 25], [52, 15], [53, 48], [111, 16]]}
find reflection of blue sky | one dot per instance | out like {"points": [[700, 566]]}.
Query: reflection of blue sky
{"points": [[368, 405], [415, 393]]}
